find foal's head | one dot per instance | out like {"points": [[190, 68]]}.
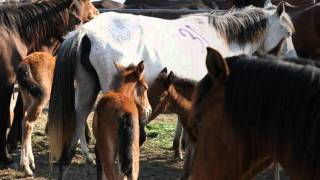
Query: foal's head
{"points": [[159, 91], [130, 82]]}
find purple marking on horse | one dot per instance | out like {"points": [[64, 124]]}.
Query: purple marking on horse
{"points": [[187, 30]]}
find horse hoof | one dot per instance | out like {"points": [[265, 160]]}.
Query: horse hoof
{"points": [[178, 157], [33, 166]]}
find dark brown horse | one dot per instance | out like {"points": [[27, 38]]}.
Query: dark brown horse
{"points": [[253, 111], [171, 94], [169, 4], [260, 3], [116, 124], [107, 4], [27, 28]]}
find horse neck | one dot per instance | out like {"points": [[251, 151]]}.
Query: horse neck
{"points": [[178, 103], [40, 34]]}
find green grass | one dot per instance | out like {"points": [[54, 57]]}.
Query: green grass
{"points": [[160, 134]]}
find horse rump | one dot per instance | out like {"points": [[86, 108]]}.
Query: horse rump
{"points": [[27, 82], [125, 140]]}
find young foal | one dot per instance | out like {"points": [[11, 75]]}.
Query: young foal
{"points": [[34, 76], [253, 111], [116, 124]]}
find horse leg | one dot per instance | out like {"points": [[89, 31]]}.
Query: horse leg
{"points": [[177, 141], [5, 97], [33, 112], [143, 136], [85, 96], [16, 129], [88, 133]]}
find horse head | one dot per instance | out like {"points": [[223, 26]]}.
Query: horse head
{"points": [[132, 84]]}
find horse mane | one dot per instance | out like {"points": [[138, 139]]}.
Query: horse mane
{"points": [[33, 22], [276, 101], [240, 25]]}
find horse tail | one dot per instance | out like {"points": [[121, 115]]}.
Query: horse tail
{"points": [[125, 139], [61, 116], [27, 82]]}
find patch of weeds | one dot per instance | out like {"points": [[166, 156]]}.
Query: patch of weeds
{"points": [[160, 134]]}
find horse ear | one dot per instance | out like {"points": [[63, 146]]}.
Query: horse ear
{"points": [[267, 3], [164, 71], [139, 69], [278, 49], [281, 8], [216, 64], [170, 77], [119, 67]]}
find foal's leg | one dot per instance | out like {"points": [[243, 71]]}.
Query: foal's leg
{"points": [[33, 112], [177, 140], [85, 96]]}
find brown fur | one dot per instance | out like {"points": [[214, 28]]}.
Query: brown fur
{"points": [[171, 95], [240, 137], [24, 29], [123, 106]]}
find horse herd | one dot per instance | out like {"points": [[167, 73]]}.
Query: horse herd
{"points": [[243, 97]]}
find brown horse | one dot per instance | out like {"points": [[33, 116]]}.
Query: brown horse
{"points": [[170, 94], [108, 4], [116, 124], [34, 77], [260, 3], [168, 4], [254, 111], [27, 28]]}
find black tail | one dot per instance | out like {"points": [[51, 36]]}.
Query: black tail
{"points": [[26, 81], [125, 139]]}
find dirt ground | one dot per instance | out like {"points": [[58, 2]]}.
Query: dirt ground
{"points": [[156, 163]]}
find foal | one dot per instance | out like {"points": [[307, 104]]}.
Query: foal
{"points": [[116, 124], [169, 93], [34, 76]]}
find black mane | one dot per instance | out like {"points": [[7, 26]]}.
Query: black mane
{"points": [[34, 22], [276, 101]]}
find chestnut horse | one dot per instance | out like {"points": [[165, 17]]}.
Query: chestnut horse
{"points": [[34, 77], [116, 124], [27, 28], [253, 111]]}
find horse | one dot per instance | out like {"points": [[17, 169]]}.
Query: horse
{"points": [[168, 4], [260, 3], [251, 111], [306, 39], [116, 123], [26, 28], [34, 77], [108, 4], [169, 93], [86, 56]]}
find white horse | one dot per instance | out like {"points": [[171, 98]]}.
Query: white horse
{"points": [[87, 56]]}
